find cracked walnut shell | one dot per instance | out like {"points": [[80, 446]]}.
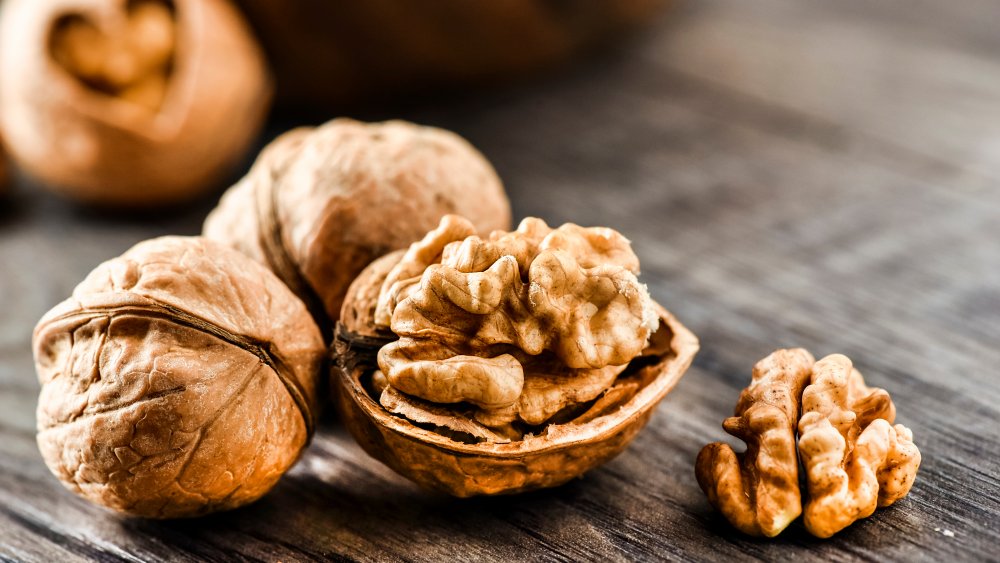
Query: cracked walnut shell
{"points": [[130, 102], [320, 204], [854, 458], [179, 379], [504, 364]]}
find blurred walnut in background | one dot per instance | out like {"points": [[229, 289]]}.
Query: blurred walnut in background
{"points": [[129, 102], [145, 102], [326, 53], [133, 65]]}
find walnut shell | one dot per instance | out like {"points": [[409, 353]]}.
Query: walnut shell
{"points": [[179, 379], [460, 464], [396, 47], [110, 103], [321, 204]]}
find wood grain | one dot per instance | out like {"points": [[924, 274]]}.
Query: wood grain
{"points": [[791, 174]]}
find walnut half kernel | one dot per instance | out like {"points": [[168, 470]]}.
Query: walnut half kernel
{"points": [[854, 458], [506, 363]]}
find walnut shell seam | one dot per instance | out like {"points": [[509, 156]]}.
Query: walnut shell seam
{"points": [[276, 254], [152, 309]]}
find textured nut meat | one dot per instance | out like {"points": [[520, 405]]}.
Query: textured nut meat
{"points": [[129, 102], [478, 393], [179, 379], [521, 324], [758, 491], [855, 459], [320, 204]]}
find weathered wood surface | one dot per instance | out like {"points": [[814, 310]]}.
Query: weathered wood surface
{"points": [[797, 173]]}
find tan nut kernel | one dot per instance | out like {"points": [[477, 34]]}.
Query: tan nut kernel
{"points": [[505, 363], [758, 491], [855, 459], [545, 318]]}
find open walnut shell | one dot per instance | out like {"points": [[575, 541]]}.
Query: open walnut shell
{"points": [[130, 102], [447, 447]]}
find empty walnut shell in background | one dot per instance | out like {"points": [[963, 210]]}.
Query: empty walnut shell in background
{"points": [[334, 52], [129, 102], [464, 466], [179, 379], [321, 204]]}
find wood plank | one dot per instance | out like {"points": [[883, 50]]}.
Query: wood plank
{"points": [[771, 206]]}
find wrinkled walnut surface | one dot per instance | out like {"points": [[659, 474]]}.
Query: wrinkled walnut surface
{"points": [[521, 324], [854, 458], [758, 490], [321, 204], [179, 379], [450, 447], [130, 103]]}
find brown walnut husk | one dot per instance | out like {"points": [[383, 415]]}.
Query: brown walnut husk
{"points": [[444, 428], [397, 47], [130, 102], [321, 204], [179, 379]]}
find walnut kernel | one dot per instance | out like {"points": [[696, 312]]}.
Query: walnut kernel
{"points": [[854, 458], [505, 363]]}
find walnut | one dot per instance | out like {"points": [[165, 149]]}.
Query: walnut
{"points": [[507, 363], [130, 102], [320, 204], [179, 379], [854, 459], [412, 48], [758, 491]]}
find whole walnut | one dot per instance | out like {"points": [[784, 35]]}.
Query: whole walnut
{"points": [[399, 47], [507, 363], [130, 102], [320, 204], [179, 379]]}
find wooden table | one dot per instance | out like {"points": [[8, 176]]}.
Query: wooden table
{"points": [[792, 173]]}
